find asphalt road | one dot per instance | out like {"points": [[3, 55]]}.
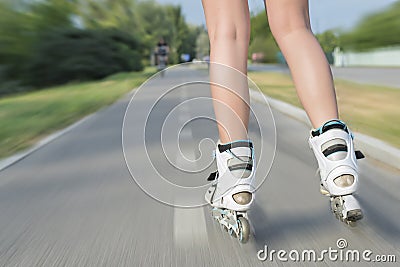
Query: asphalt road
{"points": [[377, 76], [75, 201], [366, 75]]}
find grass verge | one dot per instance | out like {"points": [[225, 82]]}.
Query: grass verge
{"points": [[368, 109], [27, 117]]}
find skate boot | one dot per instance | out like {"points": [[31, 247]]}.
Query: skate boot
{"points": [[333, 147], [232, 193]]}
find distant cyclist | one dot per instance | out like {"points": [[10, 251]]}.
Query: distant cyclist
{"points": [[161, 52]]}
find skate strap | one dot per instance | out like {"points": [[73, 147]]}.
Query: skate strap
{"points": [[213, 176], [333, 124], [341, 148], [242, 166], [334, 148], [359, 154], [225, 147]]}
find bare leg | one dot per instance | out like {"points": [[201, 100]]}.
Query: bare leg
{"points": [[290, 25], [333, 147], [228, 24]]}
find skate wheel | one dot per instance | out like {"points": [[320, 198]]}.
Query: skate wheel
{"points": [[351, 223], [354, 215], [244, 230]]}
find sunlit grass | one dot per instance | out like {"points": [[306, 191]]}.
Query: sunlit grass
{"points": [[372, 110], [26, 117]]}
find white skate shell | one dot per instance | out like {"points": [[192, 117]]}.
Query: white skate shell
{"points": [[337, 163], [226, 185], [332, 169]]}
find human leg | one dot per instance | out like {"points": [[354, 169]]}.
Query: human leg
{"points": [[290, 24], [231, 193], [228, 24], [332, 141]]}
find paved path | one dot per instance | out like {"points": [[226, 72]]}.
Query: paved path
{"points": [[74, 201], [377, 76]]}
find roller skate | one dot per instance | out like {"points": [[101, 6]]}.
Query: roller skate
{"points": [[333, 147], [232, 193]]}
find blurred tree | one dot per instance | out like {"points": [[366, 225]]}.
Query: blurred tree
{"points": [[15, 40], [52, 14], [189, 41], [261, 40], [202, 45], [21, 26], [81, 55], [376, 30], [155, 24], [145, 20], [167, 21], [111, 14], [328, 40], [179, 31], [29, 30]]}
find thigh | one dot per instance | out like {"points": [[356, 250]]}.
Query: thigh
{"points": [[226, 17], [287, 15]]}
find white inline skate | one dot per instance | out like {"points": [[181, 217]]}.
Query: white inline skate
{"points": [[333, 147], [232, 193]]}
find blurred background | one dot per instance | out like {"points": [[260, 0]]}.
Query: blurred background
{"points": [[73, 201], [348, 26], [50, 42]]}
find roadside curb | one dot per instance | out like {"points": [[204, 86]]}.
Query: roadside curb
{"points": [[370, 146], [7, 162]]}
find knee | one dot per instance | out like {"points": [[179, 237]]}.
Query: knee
{"points": [[284, 24], [229, 33]]}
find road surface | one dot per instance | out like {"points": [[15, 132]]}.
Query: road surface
{"points": [[74, 202], [376, 76]]}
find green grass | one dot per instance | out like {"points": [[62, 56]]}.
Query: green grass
{"points": [[27, 117], [371, 110]]}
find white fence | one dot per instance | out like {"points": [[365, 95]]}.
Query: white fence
{"points": [[382, 57]]}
